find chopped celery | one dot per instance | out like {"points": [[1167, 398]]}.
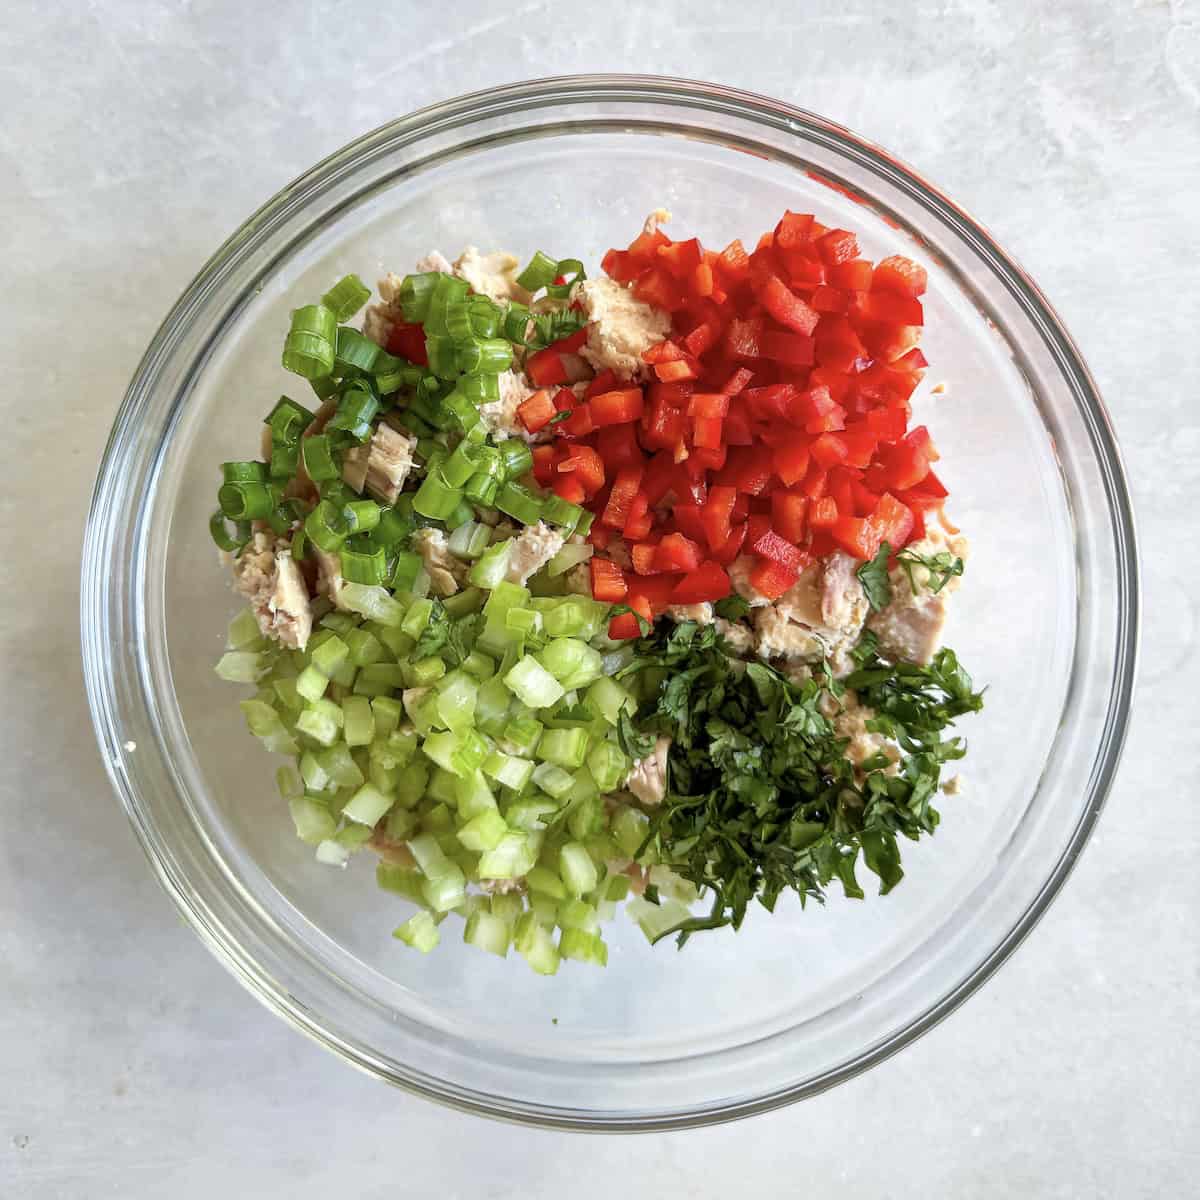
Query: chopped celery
{"points": [[479, 665], [420, 932], [473, 796], [608, 698], [404, 881], [358, 721], [340, 766], [447, 891], [242, 666], [332, 853], [616, 888], [244, 632], [373, 602], [416, 619], [630, 827], [564, 747], [387, 714], [411, 785], [289, 783], [319, 724], [353, 836], [521, 735], [438, 820], [314, 822], [572, 662], [552, 779], [311, 683], [537, 945], [483, 832], [456, 701], [287, 695], [576, 869], [367, 806], [583, 947], [316, 778], [544, 909], [401, 824], [396, 749], [492, 566], [578, 914], [507, 769], [531, 814], [510, 859], [607, 765], [532, 684], [364, 648], [329, 655], [544, 881], [654, 919], [487, 932]]}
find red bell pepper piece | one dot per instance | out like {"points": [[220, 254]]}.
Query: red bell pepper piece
{"points": [[894, 307], [702, 280], [791, 460], [829, 449], [754, 470], [688, 518], [408, 341], [856, 536], [701, 339], [658, 287], [793, 230], [717, 515], [643, 555], [546, 367], [823, 513], [887, 424], [579, 424], [640, 520], [772, 579], [732, 546], [652, 590], [743, 337], [545, 459], [621, 266], [837, 246], [618, 446], [733, 262], [681, 258], [677, 553], [860, 446], [791, 349], [899, 274], [888, 341], [829, 300], [708, 432], [587, 466], [569, 488], [616, 408], [852, 276], [770, 545], [624, 488], [707, 582], [606, 381], [786, 307], [645, 245], [891, 522], [608, 580], [789, 511], [708, 404], [538, 411], [626, 625]]}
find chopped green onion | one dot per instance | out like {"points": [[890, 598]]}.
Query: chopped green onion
{"points": [[571, 269], [460, 466], [447, 291], [361, 516], [317, 456], [405, 570], [309, 347], [244, 472], [541, 271], [483, 356], [326, 527], [245, 500], [518, 502], [393, 527], [435, 498], [223, 538], [288, 420], [346, 297], [486, 316], [443, 357], [284, 461], [355, 350], [356, 410], [516, 458], [363, 564], [415, 294], [558, 511], [516, 321]]}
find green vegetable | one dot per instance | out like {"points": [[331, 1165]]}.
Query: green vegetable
{"points": [[941, 567], [873, 576]]}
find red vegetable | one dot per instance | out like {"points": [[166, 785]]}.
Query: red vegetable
{"points": [[706, 583]]}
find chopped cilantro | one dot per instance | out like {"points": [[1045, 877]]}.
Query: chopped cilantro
{"points": [[733, 607], [874, 578], [761, 796], [941, 568]]}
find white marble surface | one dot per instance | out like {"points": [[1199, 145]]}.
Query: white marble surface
{"points": [[134, 137]]}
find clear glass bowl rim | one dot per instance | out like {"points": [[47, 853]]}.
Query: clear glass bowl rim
{"points": [[100, 594]]}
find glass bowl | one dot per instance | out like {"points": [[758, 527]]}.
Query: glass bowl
{"points": [[733, 1024]]}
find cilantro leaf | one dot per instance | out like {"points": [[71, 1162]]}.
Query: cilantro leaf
{"points": [[941, 567], [873, 575], [733, 607], [435, 634]]}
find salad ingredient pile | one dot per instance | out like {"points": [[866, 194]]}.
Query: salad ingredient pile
{"points": [[569, 591]]}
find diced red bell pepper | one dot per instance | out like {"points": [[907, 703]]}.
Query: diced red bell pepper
{"points": [[708, 404], [538, 411], [842, 491], [569, 488], [677, 553], [681, 258], [804, 271], [661, 352], [789, 511], [608, 580], [732, 546], [894, 307], [639, 522], [770, 403], [758, 524], [853, 276], [737, 428], [659, 287], [701, 280], [708, 582], [708, 432], [829, 300], [791, 349], [717, 515], [772, 579], [865, 500], [793, 230], [892, 522], [643, 556], [856, 536], [887, 424], [653, 590], [838, 346], [408, 341], [621, 266], [786, 307], [616, 408], [626, 625], [677, 372], [837, 246], [606, 381], [663, 426], [888, 341], [660, 477], [829, 449], [743, 338], [587, 466], [688, 518], [624, 488], [733, 262], [770, 545], [618, 446], [645, 245], [546, 367], [860, 446], [701, 339], [579, 424], [899, 274], [815, 484], [708, 459], [545, 459], [737, 381], [823, 513], [790, 460], [753, 472]]}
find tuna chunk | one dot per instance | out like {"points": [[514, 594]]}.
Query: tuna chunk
{"points": [[622, 328], [702, 612], [446, 573], [910, 628], [492, 275], [843, 601], [579, 580], [780, 637], [388, 463], [850, 722], [267, 575], [535, 547], [436, 261], [329, 577], [648, 778], [738, 637], [660, 216]]}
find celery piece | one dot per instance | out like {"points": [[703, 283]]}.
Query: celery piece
{"points": [[403, 881], [397, 642], [532, 814], [492, 704], [672, 885], [630, 826], [401, 824], [340, 766], [571, 555], [583, 947], [456, 699], [443, 787], [416, 619], [396, 749], [615, 889], [511, 858], [463, 604], [564, 747], [428, 855], [314, 822], [479, 665], [521, 735], [332, 853], [438, 820], [471, 752], [576, 869], [566, 658], [492, 566], [586, 817], [354, 836], [487, 932], [420, 932], [367, 806], [654, 919], [387, 713], [411, 785], [578, 914], [473, 796], [423, 672], [358, 726], [544, 909], [532, 684], [483, 832], [287, 695], [608, 698], [319, 724], [447, 891], [316, 778], [241, 666], [544, 881], [330, 655], [243, 632], [341, 623], [508, 770], [311, 683], [508, 906], [372, 602], [384, 778], [289, 783], [364, 648], [552, 779], [538, 948], [607, 765]]}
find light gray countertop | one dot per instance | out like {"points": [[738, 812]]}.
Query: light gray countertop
{"points": [[135, 136]]}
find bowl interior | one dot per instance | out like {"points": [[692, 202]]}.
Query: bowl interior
{"points": [[733, 1018]]}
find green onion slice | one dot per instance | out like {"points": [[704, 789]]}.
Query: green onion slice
{"points": [[346, 297]]}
